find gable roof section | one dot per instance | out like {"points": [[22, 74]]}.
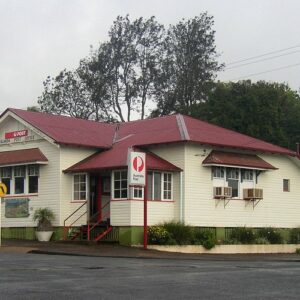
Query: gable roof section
{"points": [[167, 129], [236, 159], [23, 156], [69, 131], [117, 158]]}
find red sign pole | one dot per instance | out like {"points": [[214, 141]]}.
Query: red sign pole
{"points": [[145, 210]]}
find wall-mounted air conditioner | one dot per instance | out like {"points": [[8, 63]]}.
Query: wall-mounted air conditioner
{"points": [[222, 192], [251, 194]]}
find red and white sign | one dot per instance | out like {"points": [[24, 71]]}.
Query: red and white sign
{"points": [[137, 168], [16, 134]]}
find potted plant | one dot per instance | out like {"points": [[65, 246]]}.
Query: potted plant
{"points": [[44, 230]]}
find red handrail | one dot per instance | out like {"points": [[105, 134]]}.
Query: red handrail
{"points": [[98, 222]]}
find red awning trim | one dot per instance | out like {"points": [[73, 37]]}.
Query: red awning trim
{"points": [[229, 159], [24, 156]]}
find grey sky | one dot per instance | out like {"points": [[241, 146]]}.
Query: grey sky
{"points": [[40, 38]]}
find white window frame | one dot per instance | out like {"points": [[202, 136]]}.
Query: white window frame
{"points": [[137, 188], [162, 174], [162, 187], [221, 169], [113, 185], [86, 187], [26, 180], [243, 173]]}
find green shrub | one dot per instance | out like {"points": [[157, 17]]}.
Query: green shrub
{"points": [[206, 238], [262, 241], [298, 251], [158, 235], [181, 233], [271, 234], [295, 236], [243, 235]]}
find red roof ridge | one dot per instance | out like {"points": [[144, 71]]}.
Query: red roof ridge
{"points": [[15, 110]]}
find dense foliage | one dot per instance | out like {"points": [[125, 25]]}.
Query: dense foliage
{"points": [[268, 111], [177, 233]]}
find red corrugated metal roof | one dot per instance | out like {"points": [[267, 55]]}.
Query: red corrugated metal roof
{"points": [[206, 133], [117, 158], [33, 155], [70, 131], [236, 159], [167, 129]]}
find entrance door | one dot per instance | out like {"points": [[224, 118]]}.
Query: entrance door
{"points": [[95, 196]]}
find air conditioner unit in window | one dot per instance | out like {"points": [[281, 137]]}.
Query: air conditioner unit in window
{"points": [[251, 194], [221, 192]]}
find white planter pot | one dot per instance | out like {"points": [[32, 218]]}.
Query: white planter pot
{"points": [[43, 236]]}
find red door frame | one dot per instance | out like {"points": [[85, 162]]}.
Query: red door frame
{"points": [[99, 198]]}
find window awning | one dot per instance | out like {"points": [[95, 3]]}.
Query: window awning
{"points": [[220, 158], [24, 156]]}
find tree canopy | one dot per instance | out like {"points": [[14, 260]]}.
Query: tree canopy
{"points": [[140, 64], [268, 111]]}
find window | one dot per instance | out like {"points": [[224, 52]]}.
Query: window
{"points": [[159, 186], [120, 184], [19, 175], [286, 185], [233, 175], [33, 179], [167, 192], [80, 187], [218, 172], [20, 179], [6, 176], [247, 175], [138, 193]]}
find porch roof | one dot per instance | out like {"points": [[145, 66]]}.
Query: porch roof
{"points": [[24, 156], [117, 158], [236, 159]]}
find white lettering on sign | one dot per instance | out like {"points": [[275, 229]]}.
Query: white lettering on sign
{"points": [[16, 134], [137, 168]]}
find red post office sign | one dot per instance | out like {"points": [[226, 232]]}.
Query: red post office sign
{"points": [[137, 168], [16, 134]]}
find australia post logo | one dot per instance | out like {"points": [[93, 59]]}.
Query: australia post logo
{"points": [[138, 164], [136, 168]]}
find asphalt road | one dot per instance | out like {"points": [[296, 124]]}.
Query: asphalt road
{"points": [[36, 276]]}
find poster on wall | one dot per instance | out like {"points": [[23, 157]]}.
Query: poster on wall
{"points": [[17, 208]]}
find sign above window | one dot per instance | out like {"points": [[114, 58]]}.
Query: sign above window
{"points": [[136, 168], [16, 134]]}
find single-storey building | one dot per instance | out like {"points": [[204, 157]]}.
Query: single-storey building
{"points": [[197, 173]]}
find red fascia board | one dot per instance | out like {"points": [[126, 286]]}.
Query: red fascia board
{"points": [[256, 149], [83, 145], [239, 165]]}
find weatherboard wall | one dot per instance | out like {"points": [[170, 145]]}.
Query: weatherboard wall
{"points": [[49, 184], [68, 157], [277, 209]]}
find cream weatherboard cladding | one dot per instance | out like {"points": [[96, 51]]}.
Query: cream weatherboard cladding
{"points": [[49, 184], [68, 157], [277, 209]]}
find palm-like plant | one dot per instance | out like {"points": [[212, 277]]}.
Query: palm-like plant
{"points": [[44, 216]]}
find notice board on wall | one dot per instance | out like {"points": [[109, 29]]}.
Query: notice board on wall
{"points": [[17, 208]]}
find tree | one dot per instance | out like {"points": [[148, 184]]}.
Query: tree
{"points": [[113, 80], [188, 65], [268, 111]]}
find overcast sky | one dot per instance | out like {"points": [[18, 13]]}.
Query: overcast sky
{"points": [[42, 37]]}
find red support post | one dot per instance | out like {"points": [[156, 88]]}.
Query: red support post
{"points": [[146, 211]]}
